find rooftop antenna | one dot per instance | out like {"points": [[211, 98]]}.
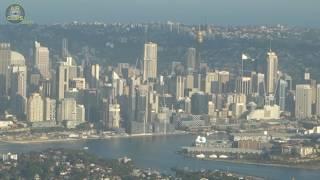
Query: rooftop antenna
{"points": [[65, 51], [206, 24], [146, 31], [270, 49], [199, 39]]}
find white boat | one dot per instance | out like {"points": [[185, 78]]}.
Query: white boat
{"points": [[201, 140], [223, 157], [200, 156], [85, 148], [213, 156]]}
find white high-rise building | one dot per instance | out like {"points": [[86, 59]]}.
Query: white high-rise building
{"points": [[223, 80], [303, 101], [5, 57], [95, 75], [318, 100], [35, 108], [17, 75], [244, 85], [118, 84], [189, 81], [111, 115], [180, 84], [17, 59], [49, 109], [67, 110], [18, 80], [41, 59], [114, 116], [73, 68], [150, 61], [81, 113], [210, 77], [211, 109], [272, 72]]}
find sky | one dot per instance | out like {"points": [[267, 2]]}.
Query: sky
{"points": [[218, 12]]}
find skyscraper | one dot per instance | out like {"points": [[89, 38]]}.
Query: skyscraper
{"points": [[244, 85], [35, 108], [199, 103], [197, 81], [49, 109], [176, 86], [18, 80], [72, 66], [318, 100], [81, 113], [191, 59], [62, 80], [187, 105], [289, 81], [189, 81], [271, 72], [258, 84], [210, 77], [67, 110], [111, 116], [282, 93], [142, 103], [180, 84], [211, 109], [133, 83], [17, 84], [41, 59], [223, 78], [313, 85], [118, 84], [46, 89], [303, 108], [17, 59], [95, 76], [5, 57], [150, 61], [141, 111]]}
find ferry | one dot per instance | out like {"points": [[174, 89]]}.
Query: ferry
{"points": [[200, 156], [213, 156], [223, 157]]}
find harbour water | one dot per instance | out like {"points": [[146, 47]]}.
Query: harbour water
{"points": [[160, 153]]}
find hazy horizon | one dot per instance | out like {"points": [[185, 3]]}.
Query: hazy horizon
{"points": [[226, 12]]}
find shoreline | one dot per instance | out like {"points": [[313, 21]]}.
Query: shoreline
{"points": [[293, 166], [39, 141], [314, 167]]}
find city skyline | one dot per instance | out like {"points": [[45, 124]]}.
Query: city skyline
{"points": [[212, 85]]}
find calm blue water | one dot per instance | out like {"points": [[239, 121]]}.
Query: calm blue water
{"points": [[160, 153]]}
